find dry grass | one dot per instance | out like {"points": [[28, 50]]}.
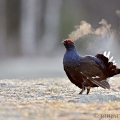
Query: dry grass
{"points": [[57, 99]]}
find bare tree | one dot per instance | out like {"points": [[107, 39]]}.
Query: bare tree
{"points": [[51, 29], [2, 27], [28, 26]]}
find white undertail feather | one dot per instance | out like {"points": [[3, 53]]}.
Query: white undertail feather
{"points": [[110, 58], [104, 53], [113, 61], [108, 55]]}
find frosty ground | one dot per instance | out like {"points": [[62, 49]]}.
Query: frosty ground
{"points": [[57, 99]]}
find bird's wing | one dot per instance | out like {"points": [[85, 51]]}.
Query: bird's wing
{"points": [[90, 70]]}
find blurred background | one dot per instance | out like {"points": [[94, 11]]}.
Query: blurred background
{"points": [[31, 32]]}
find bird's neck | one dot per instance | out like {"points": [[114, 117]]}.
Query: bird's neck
{"points": [[72, 51], [71, 57]]}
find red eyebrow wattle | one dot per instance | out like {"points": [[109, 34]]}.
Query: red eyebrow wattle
{"points": [[68, 40]]}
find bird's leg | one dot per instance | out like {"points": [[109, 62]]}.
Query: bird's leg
{"points": [[88, 90], [83, 89]]}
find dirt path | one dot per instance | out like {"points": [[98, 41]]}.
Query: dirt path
{"points": [[57, 99]]}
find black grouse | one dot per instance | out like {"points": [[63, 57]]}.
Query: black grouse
{"points": [[88, 71]]}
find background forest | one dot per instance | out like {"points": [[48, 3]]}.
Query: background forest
{"points": [[31, 32]]}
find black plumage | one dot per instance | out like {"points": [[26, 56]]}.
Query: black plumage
{"points": [[88, 71]]}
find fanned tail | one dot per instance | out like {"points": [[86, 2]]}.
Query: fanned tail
{"points": [[111, 67]]}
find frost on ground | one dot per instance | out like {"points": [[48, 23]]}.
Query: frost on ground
{"points": [[57, 99]]}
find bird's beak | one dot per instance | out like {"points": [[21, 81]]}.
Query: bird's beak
{"points": [[63, 42]]}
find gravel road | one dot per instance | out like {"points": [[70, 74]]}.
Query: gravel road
{"points": [[57, 99]]}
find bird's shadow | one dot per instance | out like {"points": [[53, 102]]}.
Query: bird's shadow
{"points": [[97, 97]]}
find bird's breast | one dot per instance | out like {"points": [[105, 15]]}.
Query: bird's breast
{"points": [[71, 60]]}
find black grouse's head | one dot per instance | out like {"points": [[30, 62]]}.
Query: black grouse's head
{"points": [[68, 43]]}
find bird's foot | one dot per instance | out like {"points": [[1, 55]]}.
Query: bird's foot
{"points": [[88, 90], [82, 91]]}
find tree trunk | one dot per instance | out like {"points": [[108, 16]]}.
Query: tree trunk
{"points": [[2, 27], [51, 29], [28, 27]]}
